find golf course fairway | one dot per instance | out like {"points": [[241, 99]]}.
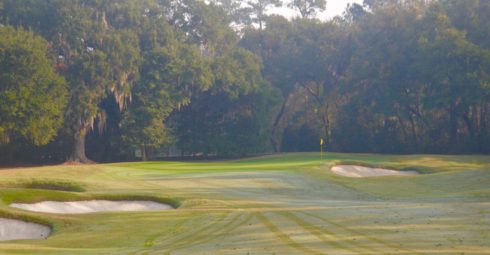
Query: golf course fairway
{"points": [[284, 204]]}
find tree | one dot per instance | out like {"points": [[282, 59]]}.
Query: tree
{"points": [[97, 56], [326, 57], [256, 10], [32, 94], [471, 17], [387, 76], [275, 44], [354, 13], [235, 76], [455, 86], [169, 77], [101, 61], [302, 56], [308, 8], [237, 14], [206, 26], [215, 124], [232, 117], [381, 83], [144, 131]]}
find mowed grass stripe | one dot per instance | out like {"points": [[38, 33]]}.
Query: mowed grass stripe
{"points": [[328, 237], [205, 234], [181, 239], [284, 237], [150, 242], [376, 240], [220, 232]]}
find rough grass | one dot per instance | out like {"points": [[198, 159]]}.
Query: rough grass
{"points": [[52, 185], [287, 204]]}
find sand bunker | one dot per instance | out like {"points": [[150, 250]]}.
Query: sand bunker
{"points": [[20, 230], [361, 171], [79, 207]]}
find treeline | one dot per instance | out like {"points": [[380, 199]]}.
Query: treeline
{"points": [[222, 78], [389, 76]]}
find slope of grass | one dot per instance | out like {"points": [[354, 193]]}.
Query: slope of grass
{"points": [[287, 204]]}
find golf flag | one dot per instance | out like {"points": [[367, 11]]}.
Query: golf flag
{"points": [[321, 141]]}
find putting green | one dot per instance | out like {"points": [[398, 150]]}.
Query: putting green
{"points": [[287, 204]]}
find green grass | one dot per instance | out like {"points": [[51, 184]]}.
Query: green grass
{"points": [[61, 185], [287, 204]]}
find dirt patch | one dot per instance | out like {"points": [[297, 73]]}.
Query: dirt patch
{"points": [[362, 171], [92, 206], [19, 230]]}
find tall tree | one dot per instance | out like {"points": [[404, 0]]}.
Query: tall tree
{"points": [[471, 18], [302, 54], [455, 86], [308, 8], [170, 76], [275, 44], [232, 118], [96, 58], [32, 94], [326, 49], [100, 61], [381, 84], [256, 10]]}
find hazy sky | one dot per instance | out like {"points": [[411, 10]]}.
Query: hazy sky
{"points": [[334, 7]]}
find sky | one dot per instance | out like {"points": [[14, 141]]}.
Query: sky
{"points": [[334, 8]]}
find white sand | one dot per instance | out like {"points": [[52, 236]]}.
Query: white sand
{"points": [[361, 171], [79, 207], [20, 230]]}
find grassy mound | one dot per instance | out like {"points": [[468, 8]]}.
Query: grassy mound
{"points": [[54, 185]]}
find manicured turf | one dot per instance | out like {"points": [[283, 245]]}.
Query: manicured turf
{"points": [[287, 204]]}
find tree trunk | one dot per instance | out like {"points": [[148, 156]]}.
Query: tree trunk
{"points": [[413, 127], [483, 146], [453, 126], [402, 127], [469, 125], [78, 150], [143, 153], [276, 144], [483, 120], [276, 138], [326, 125]]}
